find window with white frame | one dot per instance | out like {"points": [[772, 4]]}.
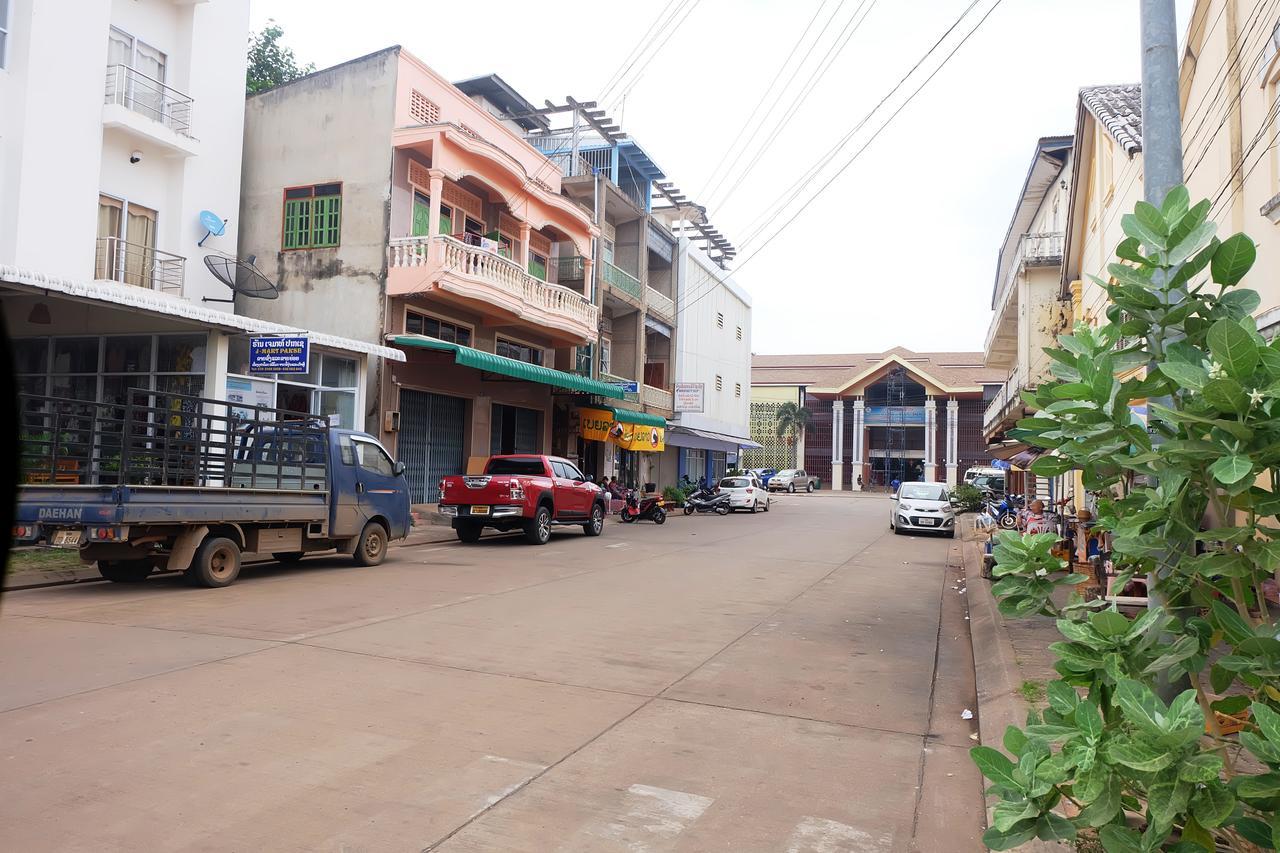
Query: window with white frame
{"points": [[102, 368], [695, 464], [4, 32], [605, 355], [328, 388]]}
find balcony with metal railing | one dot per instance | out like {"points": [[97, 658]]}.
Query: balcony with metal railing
{"points": [[660, 304], [148, 109], [1005, 405], [568, 269], [480, 277], [624, 281], [141, 266], [1034, 250]]}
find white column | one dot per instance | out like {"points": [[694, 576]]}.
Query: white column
{"points": [[953, 434], [859, 415], [837, 444], [931, 439]]}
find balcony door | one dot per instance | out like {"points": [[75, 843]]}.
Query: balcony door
{"points": [[141, 94], [126, 242]]}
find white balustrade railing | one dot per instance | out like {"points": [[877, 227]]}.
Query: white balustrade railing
{"points": [[661, 303], [1007, 395], [651, 396], [455, 257]]}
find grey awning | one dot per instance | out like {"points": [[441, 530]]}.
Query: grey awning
{"points": [[702, 439]]}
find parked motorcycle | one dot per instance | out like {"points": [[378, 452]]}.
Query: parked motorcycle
{"points": [[707, 500], [1004, 512], [638, 509]]}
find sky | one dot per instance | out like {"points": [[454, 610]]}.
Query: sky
{"points": [[900, 248]]}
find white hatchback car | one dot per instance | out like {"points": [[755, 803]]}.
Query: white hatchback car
{"points": [[745, 492], [924, 507]]}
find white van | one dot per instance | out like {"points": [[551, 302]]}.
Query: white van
{"points": [[986, 478]]}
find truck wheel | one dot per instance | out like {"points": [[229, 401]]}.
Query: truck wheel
{"points": [[469, 532], [596, 524], [809, 488], [372, 548], [125, 571], [288, 558], [791, 489], [216, 563], [537, 530]]}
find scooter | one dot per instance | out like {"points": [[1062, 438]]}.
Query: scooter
{"points": [[638, 509], [707, 500], [1004, 511]]}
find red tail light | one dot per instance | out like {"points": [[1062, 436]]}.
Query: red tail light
{"points": [[749, 490]]}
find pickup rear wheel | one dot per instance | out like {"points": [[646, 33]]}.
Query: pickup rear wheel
{"points": [[216, 563], [469, 532], [125, 571], [596, 524], [537, 530], [372, 547]]}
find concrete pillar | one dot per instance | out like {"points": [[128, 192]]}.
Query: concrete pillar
{"points": [[523, 259], [931, 439], [859, 435], [837, 444], [437, 193], [953, 434]]}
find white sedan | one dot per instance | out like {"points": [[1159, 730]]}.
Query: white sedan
{"points": [[922, 506], [745, 492]]}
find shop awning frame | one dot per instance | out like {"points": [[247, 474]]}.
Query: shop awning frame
{"points": [[701, 439], [629, 416], [513, 368]]}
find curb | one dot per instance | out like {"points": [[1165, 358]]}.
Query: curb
{"points": [[1000, 703]]}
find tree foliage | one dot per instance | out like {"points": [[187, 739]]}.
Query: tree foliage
{"points": [[1191, 501], [793, 420], [270, 62]]}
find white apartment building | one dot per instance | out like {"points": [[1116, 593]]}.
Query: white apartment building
{"points": [[117, 130], [713, 350]]}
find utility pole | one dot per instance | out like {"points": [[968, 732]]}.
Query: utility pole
{"points": [[1161, 118]]}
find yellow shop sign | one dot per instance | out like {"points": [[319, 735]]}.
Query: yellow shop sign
{"points": [[603, 425], [594, 424]]}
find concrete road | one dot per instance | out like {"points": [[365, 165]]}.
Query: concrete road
{"points": [[790, 681]]}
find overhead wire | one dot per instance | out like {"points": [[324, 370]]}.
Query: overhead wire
{"points": [[658, 41], [633, 54]]}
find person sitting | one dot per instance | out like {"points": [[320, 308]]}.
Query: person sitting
{"points": [[1037, 520]]}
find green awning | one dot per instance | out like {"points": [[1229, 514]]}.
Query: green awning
{"points": [[492, 363], [627, 416]]}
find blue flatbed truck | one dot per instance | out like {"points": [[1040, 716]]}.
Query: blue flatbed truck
{"points": [[171, 482]]}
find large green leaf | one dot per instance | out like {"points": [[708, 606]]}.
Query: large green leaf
{"points": [[1213, 804], [1231, 469], [1233, 259], [1055, 827], [1200, 768], [1233, 348], [1015, 836], [1120, 839], [1259, 787], [1186, 375], [1240, 303], [1008, 813], [1192, 243], [1141, 706], [1139, 754], [1226, 395], [1175, 205], [1051, 466], [1135, 227], [1268, 721], [996, 766], [1089, 719]]}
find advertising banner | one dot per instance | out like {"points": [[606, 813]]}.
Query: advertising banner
{"points": [[690, 396], [594, 424], [278, 354], [600, 425]]}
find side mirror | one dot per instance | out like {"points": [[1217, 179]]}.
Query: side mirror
{"points": [[398, 469], [591, 478]]}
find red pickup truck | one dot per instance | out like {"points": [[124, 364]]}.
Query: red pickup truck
{"points": [[529, 493]]}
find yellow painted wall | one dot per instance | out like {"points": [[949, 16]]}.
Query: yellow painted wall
{"points": [[775, 393]]}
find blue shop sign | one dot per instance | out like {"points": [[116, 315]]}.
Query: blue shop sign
{"points": [[892, 415], [278, 354]]}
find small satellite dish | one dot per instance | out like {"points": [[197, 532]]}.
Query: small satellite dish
{"points": [[241, 276], [214, 224]]}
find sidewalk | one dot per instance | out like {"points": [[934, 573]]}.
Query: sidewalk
{"points": [[1011, 658]]}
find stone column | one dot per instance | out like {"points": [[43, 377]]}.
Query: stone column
{"points": [[953, 434], [859, 431], [837, 444], [931, 439], [523, 259]]}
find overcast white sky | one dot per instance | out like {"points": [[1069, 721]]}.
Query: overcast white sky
{"points": [[899, 250]]}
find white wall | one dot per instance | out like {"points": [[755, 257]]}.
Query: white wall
{"points": [[56, 156], [705, 350]]}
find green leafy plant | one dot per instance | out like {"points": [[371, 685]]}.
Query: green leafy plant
{"points": [[967, 498], [1131, 742], [673, 495], [792, 421], [270, 62]]}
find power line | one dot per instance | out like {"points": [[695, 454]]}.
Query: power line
{"points": [[722, 170], [833, 53], [632, 55], [792, 192], [657, 42]]}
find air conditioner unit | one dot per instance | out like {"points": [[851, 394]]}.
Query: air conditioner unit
{"points": [[390, 421]]}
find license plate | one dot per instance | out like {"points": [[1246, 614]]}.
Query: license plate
{"points": [[66, 538], [479, 510], [927, 522]]}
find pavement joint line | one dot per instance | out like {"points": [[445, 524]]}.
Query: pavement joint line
{"points": [[801, 718], [933, 693]]}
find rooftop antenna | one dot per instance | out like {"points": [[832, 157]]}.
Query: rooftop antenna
{"points": [[241, 276]]}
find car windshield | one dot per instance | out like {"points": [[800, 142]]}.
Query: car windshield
{"points": [[922, 491], [790, 472], [528, 467], [734, 483]]}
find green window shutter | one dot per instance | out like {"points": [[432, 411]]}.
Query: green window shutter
{"points": [[421, 216], [296, 223], [446, 223], [328, 221], [537, 269]]}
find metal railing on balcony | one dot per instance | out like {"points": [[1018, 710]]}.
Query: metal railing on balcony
{"points": [[132, 89], [457, 257], [1005, 400], [141, 266], [661, 304], [570, 268], [622, 280]]}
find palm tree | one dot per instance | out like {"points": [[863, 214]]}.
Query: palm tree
{"points": [[793, 420]]}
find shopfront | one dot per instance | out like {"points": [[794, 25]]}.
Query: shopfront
{"points": [[622, 443]]}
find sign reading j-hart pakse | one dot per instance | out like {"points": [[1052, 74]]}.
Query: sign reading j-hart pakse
{"points": [[278, 354]]}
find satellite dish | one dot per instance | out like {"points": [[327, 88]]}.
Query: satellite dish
{"points": [[212, 223], [241, 276]]}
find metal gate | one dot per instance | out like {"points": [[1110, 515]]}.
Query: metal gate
{"points": [[432, 428]]}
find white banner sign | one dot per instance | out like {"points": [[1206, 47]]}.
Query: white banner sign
{"points": [[689, 396]]}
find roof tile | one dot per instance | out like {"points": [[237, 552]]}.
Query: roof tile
{"points": [[1119, 110]]}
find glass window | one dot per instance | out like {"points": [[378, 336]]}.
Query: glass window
{"points": [[696, 464], [75, 387], [75, 355], [30, 355], [190, 385], [312, 217], [238, 356], [348, 450], [922, 492], [127, 355], [338, 372], [529, 467], [374, 458], [340, 403], [605, 356], [519, 352], [559, 469], [735, 483], [421, 324], [4, 33], [181, 354], [572, 472]]}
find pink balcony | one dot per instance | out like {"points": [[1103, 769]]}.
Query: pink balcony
{"points": [[480, 279]]}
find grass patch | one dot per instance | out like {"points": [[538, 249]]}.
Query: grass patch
{"points": [[43, 560], [1032, 691]]}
